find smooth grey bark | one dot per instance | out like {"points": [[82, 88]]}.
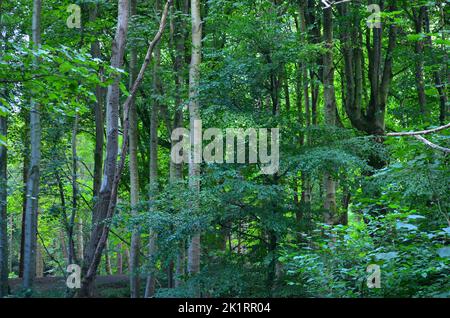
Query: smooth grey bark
{"points": [[194, 115], [31, 213], [91, 257], [134, 175]]}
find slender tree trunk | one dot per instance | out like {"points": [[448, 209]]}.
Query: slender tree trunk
{"points": [[75, 190], [80, 239], [441, 86], [92, 257], [5, 246], [98, 114], [134, 176], [419, 16], [3, 213], [176, 170], [25, 167], [119, 259], [305, 201], [31, 214], [153, 180], [108, 269], [330, 109], [194, 115]]}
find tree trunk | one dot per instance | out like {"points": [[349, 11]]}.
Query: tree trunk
{"points": [[330, 108], [419, 16], [3, 213], [31, 214], [153, 179], [194, 116], [98, 114], [119, 259], [107, 260], [178, 37], [92, 257], [75, 190], [441, 87], [134, 176], [109, 190]]}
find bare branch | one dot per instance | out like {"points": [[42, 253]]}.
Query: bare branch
{"points": [[431, 145], [415, 133]]}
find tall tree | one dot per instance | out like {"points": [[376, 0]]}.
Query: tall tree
{"points": [[109, 190], [31, 213], [330, 108], [112, 146], [153, 178], [371, 119], [134, 175], [195, 135], [3, 190], [3, 212]]}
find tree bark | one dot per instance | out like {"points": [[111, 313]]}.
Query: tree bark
{"points": [[91, 257], [419, 16], [153, 179], [98, 114], [108, 202], [75, 190], [330, 109], [31, 214], [3, 213], [194, 115], [370, 120], [134, 176]]}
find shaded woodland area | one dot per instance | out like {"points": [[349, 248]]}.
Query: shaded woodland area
{"points": [[91, 92]]}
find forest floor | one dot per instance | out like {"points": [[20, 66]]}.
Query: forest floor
{"points": [[111, 286]]}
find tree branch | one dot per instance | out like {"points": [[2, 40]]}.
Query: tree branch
{"points": [[431, 145], [415, 133]]}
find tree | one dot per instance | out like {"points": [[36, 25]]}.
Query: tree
{"points": [[153, 178], [134, 175], [31, 212], [107, 203], [3, 210], [195, 136], [91, 257], [330, 108]]}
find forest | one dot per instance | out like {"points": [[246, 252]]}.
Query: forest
{"points": [[224, 149]]}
